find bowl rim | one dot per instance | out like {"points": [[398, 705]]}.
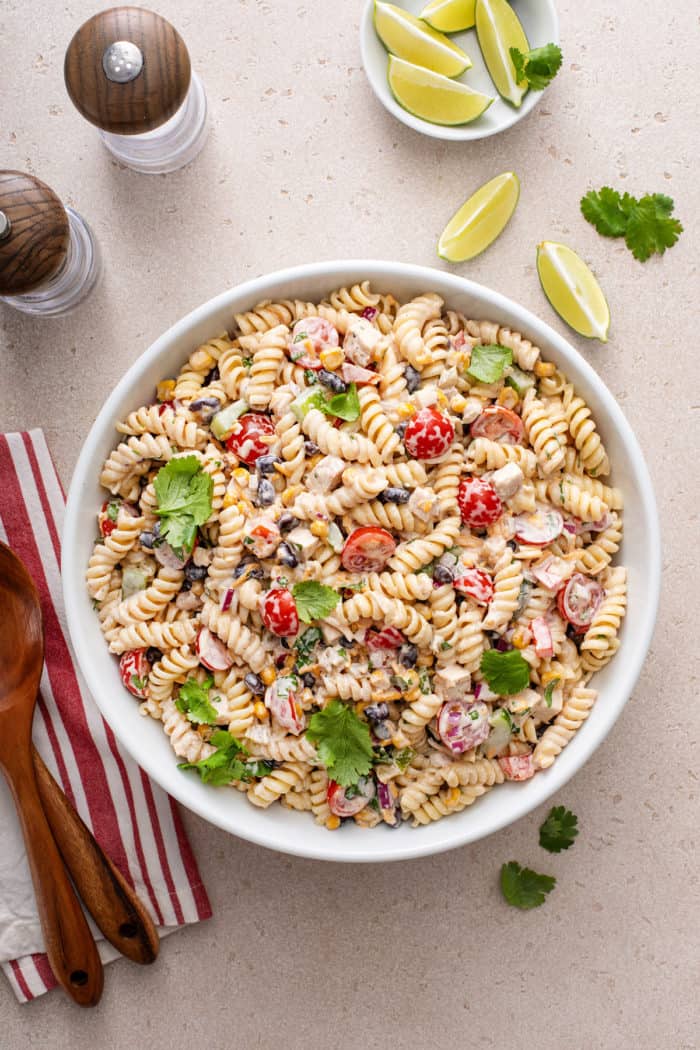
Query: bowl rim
{"points": [[470, 132], [451, 834]]}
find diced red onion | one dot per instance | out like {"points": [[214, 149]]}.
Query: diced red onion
{"points": [[369, 313], [226, 600]]}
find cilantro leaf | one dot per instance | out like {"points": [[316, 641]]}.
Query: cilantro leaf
{"points": [[538, 67], [559, 829], [524, 888], [488, 363], [306, 643], [506, 673], [343, 742], [651, 228], [184, 495], [113, 509], [314, 600], [401, 758], [223, 765], [194, 702], [345, 406], [607, 210], [549, 690]]}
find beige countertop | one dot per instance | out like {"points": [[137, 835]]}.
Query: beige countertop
{"points": [[302, 163]]}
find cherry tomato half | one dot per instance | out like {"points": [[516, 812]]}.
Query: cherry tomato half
{"points": [[517, 767], [499, 424], [361, 793], [479, 503], [578, 600], [429, 434], [540, 527], [281, 700], [462, 725], [476, 583], [134, 668], [212, 652], [107, 518], [367, 549], [246, 443], [279, 612], [387, 638]]}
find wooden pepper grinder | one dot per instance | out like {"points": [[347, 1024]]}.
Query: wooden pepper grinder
{"points": [[49, 259], [127, 71]]}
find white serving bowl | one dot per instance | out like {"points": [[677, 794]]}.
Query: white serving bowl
{"points": [[541, 25], [276, 827]]}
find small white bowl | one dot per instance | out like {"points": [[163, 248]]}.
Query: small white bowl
{"points": [[278, 828], [539, 19]]}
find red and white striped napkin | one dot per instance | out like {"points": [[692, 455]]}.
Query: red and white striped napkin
{"points": [[135, 822]]}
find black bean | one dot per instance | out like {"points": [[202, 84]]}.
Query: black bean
{"points": [[258, 573], [309, 680], [401, 429], [512, 544], [286, 556], [265, 496], [311, 448], [266, 464], [186, 585], [254, 683], [212, 376], [156, 531], [412, 378], [147, 539], [377, 712], [346, 643], [287, 521], [153, 655], [382, 731], [205, 402], [408, 655], [442, 574], [241, 568], [195, 572], [394, 495], [332, 381]]}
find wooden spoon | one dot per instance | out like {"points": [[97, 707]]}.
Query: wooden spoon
{"points": [[69, 944]]}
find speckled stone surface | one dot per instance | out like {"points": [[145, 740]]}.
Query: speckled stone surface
{"points": [[303, 164]]}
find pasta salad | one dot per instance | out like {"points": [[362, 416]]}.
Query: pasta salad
{"points": [[357, 558]]}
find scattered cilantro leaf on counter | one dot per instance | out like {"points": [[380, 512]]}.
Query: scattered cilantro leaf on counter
{"points": [[524, 888], [184, 495], [314, 600], [343, 742], [646, 223], [194, 703], [224, 765], [505, 673], [488, 363], [538, 67], [559, 829]]}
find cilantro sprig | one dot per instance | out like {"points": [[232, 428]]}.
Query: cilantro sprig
{"points": [[225, 764], [194, 702], [505, 673], [559, 829], [523, 887], [184, 495], [343, 742], [488, 363], [306, 643], [314, 600], [538, 67], [646, 223]]}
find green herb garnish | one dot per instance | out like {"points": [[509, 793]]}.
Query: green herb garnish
{"points": [[549, 691], [506, 673], [345, 406], [488, 363], [343, 742], [193, 701], [184, 495], [306, 643], [223, 765], [524, 888], [314, 600], [559, 829], [646, 222], [538, 67]]}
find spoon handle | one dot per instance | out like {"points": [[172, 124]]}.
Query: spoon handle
{"points": [[67, 939], [113, 904]]}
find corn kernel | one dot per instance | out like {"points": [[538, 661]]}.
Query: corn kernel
{"points": [[268, 675], [453, 796], [521, 639], [290, 494], [229, 499], [406, 410], [507, 397], [441, 398], [333, 822], [544, 369], [260, 711], [380, 696], [319, 528], [165, 390], [241, 476], [463, 360], [458, 403], [549, 676], [332, 357]]}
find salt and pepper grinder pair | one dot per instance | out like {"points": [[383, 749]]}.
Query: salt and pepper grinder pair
{"points": [[127, 70]]}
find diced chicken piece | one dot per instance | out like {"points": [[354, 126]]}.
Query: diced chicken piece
{"points": [[452, 682], [472, 410], [493, 548], [265, 537], [326, 474], [331, 660], [546, 713], [425, 397], [361, 341], [424, 504], [447, 380], [507, 480], [303, 541]]}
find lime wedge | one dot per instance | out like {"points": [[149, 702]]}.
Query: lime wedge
{"points": [[433, 97], [449, 16], [573, 290], [498, 29], [407, 37], [480, 220]]}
